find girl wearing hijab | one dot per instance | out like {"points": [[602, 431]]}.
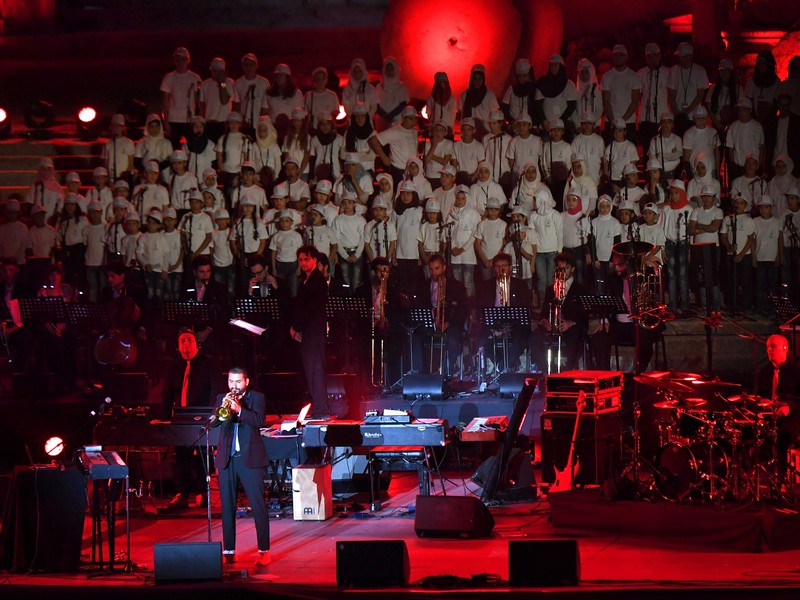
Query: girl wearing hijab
{"points": [[702, 177], [722, 97], [675, 215], [199, 148], [580, 184], [282, 98], [556, 96], [530, 190], [45, 190], [485, 188], [656, 183], [356, 181], [762, 89], [576, 232], [359, 89], [356, 138], [781, 183], [478, 101], [519, 97], [326, 148], [589, 94], [416, 176], [392, 94], [265, 153], [153, 146], [549, 227], [385, 191], [442, 104], [465, 220], [604, 229]]}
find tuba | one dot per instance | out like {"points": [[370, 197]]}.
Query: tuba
{"points": [[646, 285]]}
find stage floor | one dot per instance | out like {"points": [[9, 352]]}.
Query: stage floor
{"points": [[613, 564]]}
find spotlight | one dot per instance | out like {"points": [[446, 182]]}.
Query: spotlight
{"points": [[424, 113], [39, 117], [54, 446], [5, 125], [87, 125]]}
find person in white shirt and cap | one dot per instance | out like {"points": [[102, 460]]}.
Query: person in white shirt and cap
{"points": [[705, 223], [556, 160], [767, 254], [652, 232], [744, 136], [320, 98], [445, 194], [762, 88], [496, 143], [282, 98], [217, 98], [437, 153], [354, 179], [251, 90], [180, 182], [591, 146], [407, 218], [619, 152], [622, 90], [45, 190], [722, 97], [675, 213], [750, 185], [556, 96], [630, 192], [490, 235], [196, 227], [687, 85], [590, 96], [467, 153], [655, 101], [380, 238], [232, 148], [524, 148], [402, 142], [179, 90], [581, 184], [485, 188], [431, 238], [702, 178], [153, 146], [465, 221], [700, 138], [667, 146], [42, 235], [738, 237], [350, 231], [283, 246], [118, 152]]}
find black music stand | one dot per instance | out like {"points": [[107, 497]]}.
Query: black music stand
{"points": [[47, 309], [504, 318], [262, 307], [603, 305], [192, 313], [347, 310], [788, 313]]}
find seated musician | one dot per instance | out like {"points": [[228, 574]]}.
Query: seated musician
{"points": [[573, 318], [123, 300], [15, 335], [193, 379], [206, 290], [779, 381], [620, 328], [386, 333], [504, 290], [448, 299]]}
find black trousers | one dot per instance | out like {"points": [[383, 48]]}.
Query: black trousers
{"points": [[312, 355], [252, 481]]}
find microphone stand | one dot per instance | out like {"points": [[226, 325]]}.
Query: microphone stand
{"points": [[207, 464]]}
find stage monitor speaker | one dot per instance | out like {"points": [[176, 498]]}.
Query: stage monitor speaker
{"points": [[543, 563], [452, 516], [597, 447], [430, 387], [511, 383], [372, 564], [196, 561]]}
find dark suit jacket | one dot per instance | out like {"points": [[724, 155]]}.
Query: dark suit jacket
{"points": [[456, 311], [308, 310], [788, 383], [205, 382], [792, 140], [254, 453], [216, 296], [520, 294], [572, 309]]}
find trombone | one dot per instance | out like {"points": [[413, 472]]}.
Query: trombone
{"points": [[439, 319], [379, 326], [556, 318]]}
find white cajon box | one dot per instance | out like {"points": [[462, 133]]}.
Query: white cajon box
{"points": [[312, 493]]}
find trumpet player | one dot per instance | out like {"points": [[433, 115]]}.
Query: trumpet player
{"points": [[242, 458], [561, 315]]}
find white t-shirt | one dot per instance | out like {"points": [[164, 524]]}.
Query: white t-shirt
{"points": [[768, 233], [481, 191], [149, 196], [328, 154], [630, 194], [431, 235], [744, 229], [592, 147], [619, 154], [468, 155], [446, 198], [116, 153], [234, 146], [402, 144], [704, 216], [322, 237], [221, 249], [196, 227], [701, 140], [556, 106], [317, 102], [795, 216], [180, 187], [687, 83], [496, 149], [482, 111], [676, 222], [379, 235], [248, 234], [172, 250], [604, 229], [492, 235], [443, 148], [250, 93], [278, 105], [517, 105], [94, 237], [42, 239], [749, 188], [553, 154], [70, 232], [522, 151], [350, 231], [549, 230], [285, 244], [745, 138], [576, 229], [762, 95], [671, 148], [654, 93], [407, 226], [150, 250], [200, 161], [466, 221], [438, 113], [215, 111], [620, 85], [653, 234], [182, 89]]}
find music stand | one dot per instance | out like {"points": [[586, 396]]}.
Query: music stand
{"points": [[186, 312], [347, 309], [788, 313], [603, 305], [505, 317], [47, 309], [263, 307]]}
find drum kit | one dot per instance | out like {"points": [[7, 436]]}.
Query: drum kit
{"points": [[716, 444]]}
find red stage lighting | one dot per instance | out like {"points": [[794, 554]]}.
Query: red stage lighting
{"points": [[5, 125]]}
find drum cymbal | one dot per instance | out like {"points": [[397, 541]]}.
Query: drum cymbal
{"points": [[664, 384], [767, 403], [684, 403], [674, 375], [712, 386]]}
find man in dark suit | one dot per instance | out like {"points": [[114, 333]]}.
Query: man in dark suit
{"points": [[206, 290], [428, 294], [242, 457], [621, 328], [504, 290], [192, 380], [779, 380], [574, 320], [309, 327], [16, 335]]}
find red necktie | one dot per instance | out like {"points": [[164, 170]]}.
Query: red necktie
{"points": [[185, 388]]}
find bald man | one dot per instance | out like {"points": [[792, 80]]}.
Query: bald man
{"points": [[779, 380]]}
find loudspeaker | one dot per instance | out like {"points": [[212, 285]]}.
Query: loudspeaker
{"points": [[597, 446], [543, 563], [198, 561], [377, 563], [430, 387], [452, 516], [511, 383]]}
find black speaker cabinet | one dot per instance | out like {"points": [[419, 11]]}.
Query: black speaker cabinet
{"points": [[376, 563], [423, 386], [597, 446], [511, 383], [197, 561], [543, 563], [452, 516]]}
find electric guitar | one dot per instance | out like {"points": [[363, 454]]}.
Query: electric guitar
{"points": [[564, 478]]}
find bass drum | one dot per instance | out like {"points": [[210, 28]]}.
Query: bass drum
{"points": [[683, 468]]}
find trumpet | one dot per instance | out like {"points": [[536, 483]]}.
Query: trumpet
{"points": [[379, 325], [223, 412]]}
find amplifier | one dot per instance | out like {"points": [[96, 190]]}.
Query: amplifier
{"points": [[595, 405], [591, 382]]}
